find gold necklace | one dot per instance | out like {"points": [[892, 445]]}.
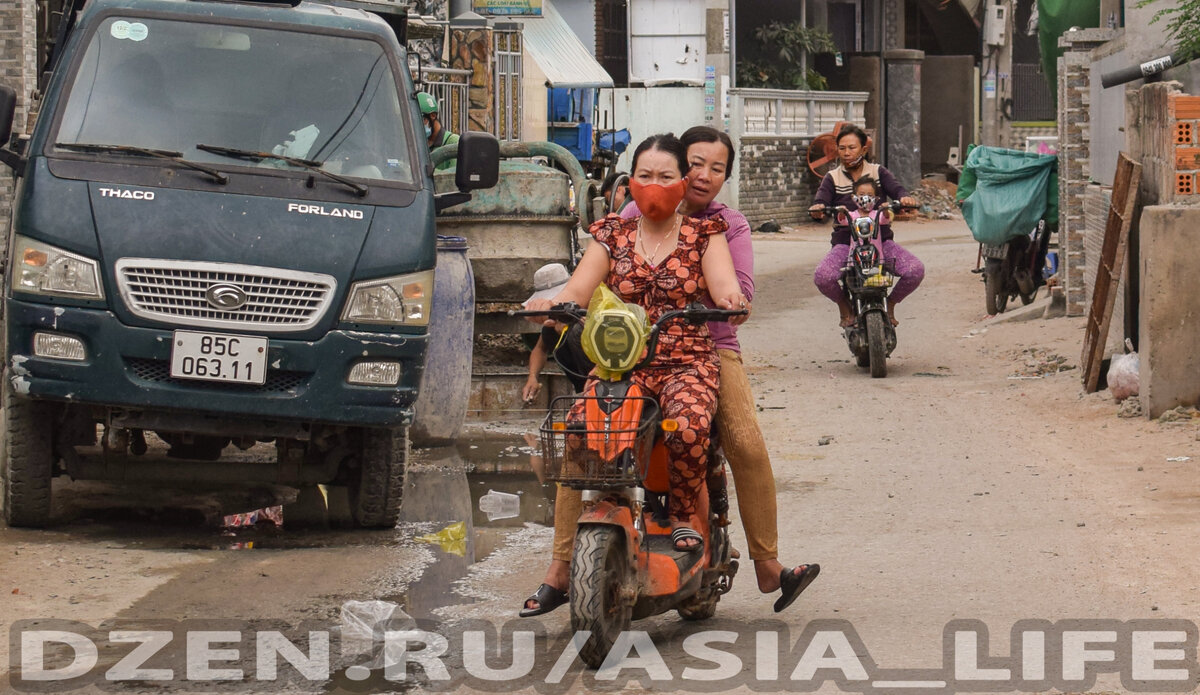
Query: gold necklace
{"points": [[642, 240]]}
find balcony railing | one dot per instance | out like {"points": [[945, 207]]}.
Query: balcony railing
{"points": [[789, 113]]}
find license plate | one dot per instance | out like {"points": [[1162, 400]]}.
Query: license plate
{"points": [[990, 251], [238, 359]]}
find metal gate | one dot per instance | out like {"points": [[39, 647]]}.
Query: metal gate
{"points": [[507, 89]]}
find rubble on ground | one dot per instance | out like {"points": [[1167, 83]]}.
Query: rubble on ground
{"points": [[1183, 413], [1130, 407], [1038, 362], [937, 200]]}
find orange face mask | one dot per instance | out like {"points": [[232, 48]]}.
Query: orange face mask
{"points": [[656, 201]]}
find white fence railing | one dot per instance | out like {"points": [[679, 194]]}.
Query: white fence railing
{"points": [[787, 113], [781, 113]]}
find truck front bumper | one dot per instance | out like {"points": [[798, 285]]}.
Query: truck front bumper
{"points": [[129, 367]]}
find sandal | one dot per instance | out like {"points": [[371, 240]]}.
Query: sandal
{"points": [[547, 597], [686, 533], [791, 584]]}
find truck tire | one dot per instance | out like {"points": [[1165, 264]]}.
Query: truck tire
{"points": [[599, 571], [28, 464], [377, 487], [877, 344]]}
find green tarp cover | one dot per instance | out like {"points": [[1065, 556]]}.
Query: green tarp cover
{"points": [[1054, 18], [1005, 192]]}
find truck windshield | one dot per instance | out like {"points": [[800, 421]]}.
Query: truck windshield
{"points": [[171, 85]]}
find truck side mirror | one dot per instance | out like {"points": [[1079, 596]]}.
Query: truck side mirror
{"points": [[478, 163], [8, 110]]}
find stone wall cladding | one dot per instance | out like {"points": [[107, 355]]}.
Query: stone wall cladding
{"points": [[773, 180], [18, 69], [471, 49], [1074, 160]]}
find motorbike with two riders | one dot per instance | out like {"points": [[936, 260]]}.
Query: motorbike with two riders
{"points": [[867, 278], [609, 443]]}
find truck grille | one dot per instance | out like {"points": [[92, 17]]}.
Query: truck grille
{"points": [[177, 292], [159, 372]]}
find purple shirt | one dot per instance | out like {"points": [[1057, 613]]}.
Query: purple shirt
{"points": [[723, 334]]}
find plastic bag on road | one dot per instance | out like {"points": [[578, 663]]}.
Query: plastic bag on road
{"points": [[363, 626], [1123, 376]]}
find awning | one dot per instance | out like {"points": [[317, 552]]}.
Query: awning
{"points": [[559, 53]]}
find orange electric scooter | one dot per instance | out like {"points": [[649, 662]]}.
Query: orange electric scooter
{"points": [[609, 443]]}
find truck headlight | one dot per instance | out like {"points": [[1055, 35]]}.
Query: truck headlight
{"points": [[44, 269], [403, 299]]}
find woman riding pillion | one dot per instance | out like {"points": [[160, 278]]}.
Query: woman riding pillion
{"points": [[837, 189], [710, 155]]}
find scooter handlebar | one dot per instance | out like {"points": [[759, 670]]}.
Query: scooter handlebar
{"points": [[563, 313]]}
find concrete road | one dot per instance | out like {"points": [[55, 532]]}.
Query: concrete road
{"points": [[969, 485]]}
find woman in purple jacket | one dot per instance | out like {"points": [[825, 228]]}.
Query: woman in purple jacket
{"points": [[710, 154], [837, 188]]}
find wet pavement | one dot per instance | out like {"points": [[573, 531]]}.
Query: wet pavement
{"points": [[443, 487]]}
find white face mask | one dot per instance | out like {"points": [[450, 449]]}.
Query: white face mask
{"points": [[428, 129], [864, 202]]}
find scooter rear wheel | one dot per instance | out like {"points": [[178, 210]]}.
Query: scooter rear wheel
{"points": [[877, 344], [599, 572], [995, 295]]}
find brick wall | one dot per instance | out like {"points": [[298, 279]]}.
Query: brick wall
{"points": [[1183, 112], [18, 61], [1074, 159], [773, 180]]}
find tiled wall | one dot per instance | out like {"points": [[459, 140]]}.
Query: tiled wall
{"points": [[1074, 160]]}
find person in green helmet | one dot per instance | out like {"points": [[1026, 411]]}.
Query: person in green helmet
{"points": [[436, 134]]}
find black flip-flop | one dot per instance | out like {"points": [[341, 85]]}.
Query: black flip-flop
{"points": [[548, 598], [791, 584], [683, 533]]}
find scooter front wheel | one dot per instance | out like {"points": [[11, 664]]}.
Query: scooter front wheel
{"points": [[599, 572]]}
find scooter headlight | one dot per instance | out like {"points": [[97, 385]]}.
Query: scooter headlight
{"points": [[864, 227], [614, 339]]}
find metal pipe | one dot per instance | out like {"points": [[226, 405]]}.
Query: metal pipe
{"points": [[1147, 70]]}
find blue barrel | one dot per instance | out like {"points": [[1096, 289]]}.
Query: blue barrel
{"points": [[441, 404]]}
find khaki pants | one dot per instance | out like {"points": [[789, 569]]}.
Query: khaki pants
{"points": [[742, 440]]}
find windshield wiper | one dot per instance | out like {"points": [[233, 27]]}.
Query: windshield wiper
{"points": [[170, 155], [309, 164]]}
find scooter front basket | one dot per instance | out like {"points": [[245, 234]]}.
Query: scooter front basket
{"points": [[589, 444]]}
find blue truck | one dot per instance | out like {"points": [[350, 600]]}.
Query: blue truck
{"points": [[223, 233]]}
